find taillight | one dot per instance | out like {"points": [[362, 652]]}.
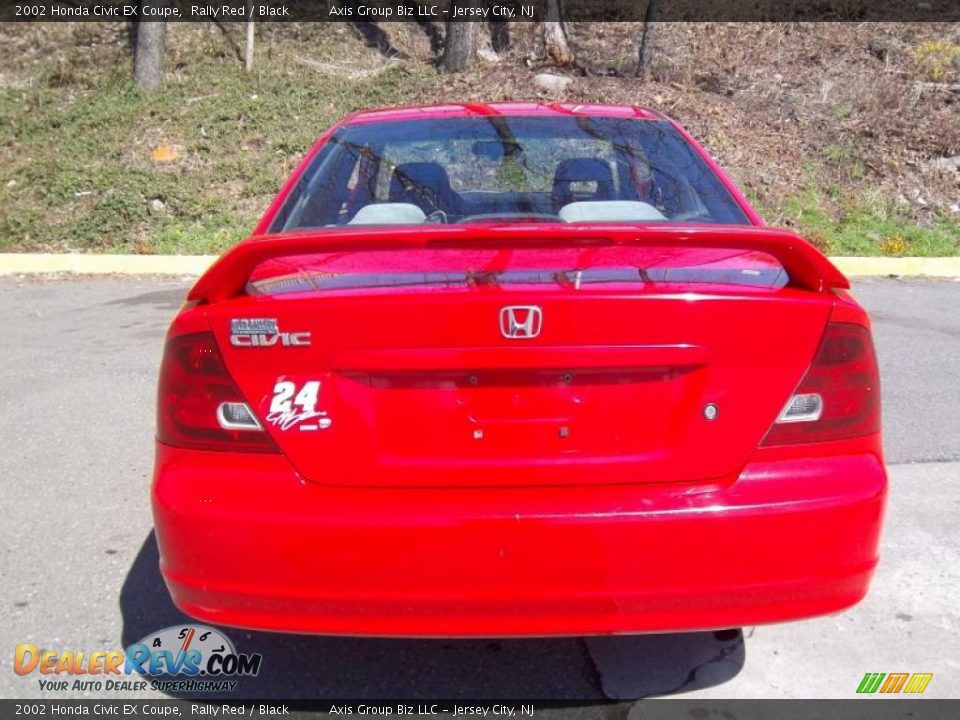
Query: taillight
{"points": [[839, 397], [198, 405]]}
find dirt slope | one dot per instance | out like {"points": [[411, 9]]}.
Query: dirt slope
{"points": [[848, 131]]}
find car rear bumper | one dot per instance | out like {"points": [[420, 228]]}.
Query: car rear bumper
{"points": [[245, 542]]}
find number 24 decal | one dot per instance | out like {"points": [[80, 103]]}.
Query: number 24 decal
{"points": [[292, 408]]}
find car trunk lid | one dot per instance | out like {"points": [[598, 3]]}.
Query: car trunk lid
{"points": [[423, 367]]}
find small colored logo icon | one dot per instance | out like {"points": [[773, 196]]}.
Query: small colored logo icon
{"points": [[914, 683]]}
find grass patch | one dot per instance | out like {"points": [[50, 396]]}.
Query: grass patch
{"points": [[865, 225], [78, 172]]}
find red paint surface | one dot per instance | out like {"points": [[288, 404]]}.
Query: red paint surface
{"points": [[472, 484]]}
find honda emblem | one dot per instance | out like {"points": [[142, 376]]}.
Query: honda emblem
{"points": [[521, 321]]}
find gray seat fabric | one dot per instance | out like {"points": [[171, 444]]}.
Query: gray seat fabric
{"points": [[389, 214], [609, 211]]}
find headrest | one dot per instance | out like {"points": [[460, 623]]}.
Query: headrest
{"points": [[425, 184], [582, 170]]}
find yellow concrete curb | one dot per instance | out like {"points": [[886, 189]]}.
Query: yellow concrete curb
{"points": [[946, 267], [91, 264]]}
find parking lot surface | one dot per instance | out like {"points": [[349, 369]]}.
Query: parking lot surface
{"points": [[79, 562]]}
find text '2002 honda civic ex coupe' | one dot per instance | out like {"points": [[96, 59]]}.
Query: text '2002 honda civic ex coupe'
{"points": [[513, 370]]}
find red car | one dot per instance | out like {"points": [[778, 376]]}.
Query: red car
{"points": [[511, 370]]}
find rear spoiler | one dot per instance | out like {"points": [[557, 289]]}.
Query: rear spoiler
{"points": [[806, 266]]}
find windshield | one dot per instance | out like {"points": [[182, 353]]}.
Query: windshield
{"points": [[506, 169]]}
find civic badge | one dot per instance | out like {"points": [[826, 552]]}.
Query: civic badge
{"points": [[264, 332]]}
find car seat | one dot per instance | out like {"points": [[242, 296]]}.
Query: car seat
{"points": [[578, 170], [426, 185]]}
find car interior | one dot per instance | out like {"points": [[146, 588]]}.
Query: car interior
{"points": [[583, 190]]}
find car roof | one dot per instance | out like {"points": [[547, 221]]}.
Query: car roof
{"points": [[479, 109]]}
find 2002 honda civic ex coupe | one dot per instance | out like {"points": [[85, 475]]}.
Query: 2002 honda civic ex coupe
{"points": [[513, 370]]}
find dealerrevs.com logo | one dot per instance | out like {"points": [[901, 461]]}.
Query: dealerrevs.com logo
{"points": [[199, 658]]}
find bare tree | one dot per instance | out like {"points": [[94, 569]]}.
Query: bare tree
{"points": [[248, 51], [645, 54], [499, 35], [555, 42], [460, 46], [148, 55]]}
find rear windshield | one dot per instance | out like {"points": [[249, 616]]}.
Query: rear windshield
{"points": [[513, 169]]}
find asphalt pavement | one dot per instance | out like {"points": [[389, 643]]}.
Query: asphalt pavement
{"points": [[79, 563]]}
